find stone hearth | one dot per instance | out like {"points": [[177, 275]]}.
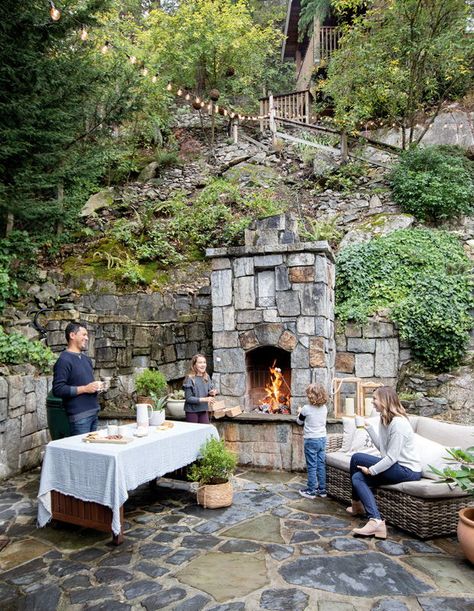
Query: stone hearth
{"points": [[272, 300]]}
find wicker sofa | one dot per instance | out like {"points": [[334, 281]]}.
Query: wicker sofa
{"points": [[425, 508]]}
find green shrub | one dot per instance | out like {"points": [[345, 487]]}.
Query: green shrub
{"points": [[216, 463], [8, 286], [15, 349], [313, 231], [422, 277], [434, 183], [151, 382]]}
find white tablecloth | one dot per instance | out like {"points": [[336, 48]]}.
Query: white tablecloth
{"points": [[104, 473]]}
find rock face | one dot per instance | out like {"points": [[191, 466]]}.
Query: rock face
{"points": [[376, 225], [96, 202]]}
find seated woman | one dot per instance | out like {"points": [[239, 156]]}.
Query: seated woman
{"points": [[399, 461]]}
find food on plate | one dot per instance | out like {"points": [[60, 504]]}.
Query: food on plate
{"points": [[114, 436], [166, 425]]}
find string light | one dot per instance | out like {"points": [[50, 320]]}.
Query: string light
{"points": [[133, 59], [105, 48], [84, 34], [54, 12], [198, 100], [203, 104], [179, 92], [187, 96], [145, 71], [169, 87], [154, 78]]}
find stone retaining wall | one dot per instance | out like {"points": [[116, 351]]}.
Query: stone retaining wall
{"points": [[23, 423]]}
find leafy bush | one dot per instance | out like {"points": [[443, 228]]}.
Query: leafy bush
{"points": [[313, 231], [15, 349], [150, 382], [434, 183], [8, 285], [422, 277], [216, 464]]}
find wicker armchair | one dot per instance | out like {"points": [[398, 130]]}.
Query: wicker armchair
{"points": [[425, 518]]}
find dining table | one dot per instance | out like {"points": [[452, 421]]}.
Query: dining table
{"points": [[87, 483]]}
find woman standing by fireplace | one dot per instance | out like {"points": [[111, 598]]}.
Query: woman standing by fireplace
{"points": [[199, 391]]}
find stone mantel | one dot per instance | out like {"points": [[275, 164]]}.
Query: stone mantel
{"points": [[321, 247]]}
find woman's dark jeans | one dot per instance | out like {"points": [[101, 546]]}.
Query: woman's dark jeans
{"points": [[362, 484]]}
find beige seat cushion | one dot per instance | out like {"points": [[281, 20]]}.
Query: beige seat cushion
{"points": [[427, 489], [340, 460]]}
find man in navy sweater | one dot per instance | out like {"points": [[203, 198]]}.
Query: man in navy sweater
{"points": [[73, 381]]}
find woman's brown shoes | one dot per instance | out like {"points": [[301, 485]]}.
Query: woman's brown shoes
{"points": [[373, 528], [356, 509]]}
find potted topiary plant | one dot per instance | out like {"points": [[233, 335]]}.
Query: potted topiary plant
{"points": [[462, 474], [151, 387], [175, 405], [212, 471]]}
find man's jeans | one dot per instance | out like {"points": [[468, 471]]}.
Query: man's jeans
{"points": [[362, 484], [86, 425], [315, 454]]}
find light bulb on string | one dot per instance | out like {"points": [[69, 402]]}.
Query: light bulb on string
{"points": [[154, 78], [84, 34], [132, 59], [179, 92], [145, 71], [187, 96], [209, 106], [169, 87], [203, 104], [225, 113], [105, 48], [54, 12], [198, 100]]}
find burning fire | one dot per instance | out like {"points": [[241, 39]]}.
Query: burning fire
{"points": [[276, 401]]}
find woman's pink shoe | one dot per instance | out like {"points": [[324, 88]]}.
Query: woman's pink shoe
{"points": [[356, 509], [373, 528]]}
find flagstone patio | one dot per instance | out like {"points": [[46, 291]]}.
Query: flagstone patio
{"points": [[270, 550]]}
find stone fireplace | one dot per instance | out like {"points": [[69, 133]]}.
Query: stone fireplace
{"points": [[272, 306]]}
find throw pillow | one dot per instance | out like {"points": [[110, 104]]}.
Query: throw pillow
{"points": [[358, 440], [431, 453]]}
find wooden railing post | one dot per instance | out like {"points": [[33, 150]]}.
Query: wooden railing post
{"points": [[307, 111], [344, 147], [271, 117], [262, 113]]}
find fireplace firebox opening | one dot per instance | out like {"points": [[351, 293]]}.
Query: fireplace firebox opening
{"points": [[268, 380]]}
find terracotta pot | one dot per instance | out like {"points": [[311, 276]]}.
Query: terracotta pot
{"points": [[466, 532], [213, 496]]}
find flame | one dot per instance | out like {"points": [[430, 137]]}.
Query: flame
{"points": [[275, 399]]}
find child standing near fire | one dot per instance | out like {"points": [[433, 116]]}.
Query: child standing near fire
{"points": [[199, 391], [313, 417]]}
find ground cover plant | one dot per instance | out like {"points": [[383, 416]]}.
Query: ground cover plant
{"points": [[421, 277], [435, 183], [15, 349]]}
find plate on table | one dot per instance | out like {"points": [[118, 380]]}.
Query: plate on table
{"points": [[165, 426]]}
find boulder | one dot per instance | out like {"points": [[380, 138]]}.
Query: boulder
{"points": [[376, 225], [96, 202]]}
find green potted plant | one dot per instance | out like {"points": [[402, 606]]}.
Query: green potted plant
{"points": [[151, 386], [175, 405], [212, 471], [461, 474]]}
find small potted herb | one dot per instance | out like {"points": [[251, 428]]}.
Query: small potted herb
{"points": [[151, 387], [213, 471]]}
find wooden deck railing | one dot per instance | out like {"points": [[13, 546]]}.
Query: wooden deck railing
{"points": [[326, 42], [295, 105]]}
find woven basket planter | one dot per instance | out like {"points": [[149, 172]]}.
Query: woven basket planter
{"points": [[212, 496]]}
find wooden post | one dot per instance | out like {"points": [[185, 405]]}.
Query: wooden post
{"points": [[271, 113], [344, 147], [262, 112], [307, 112], [235, 131]]}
